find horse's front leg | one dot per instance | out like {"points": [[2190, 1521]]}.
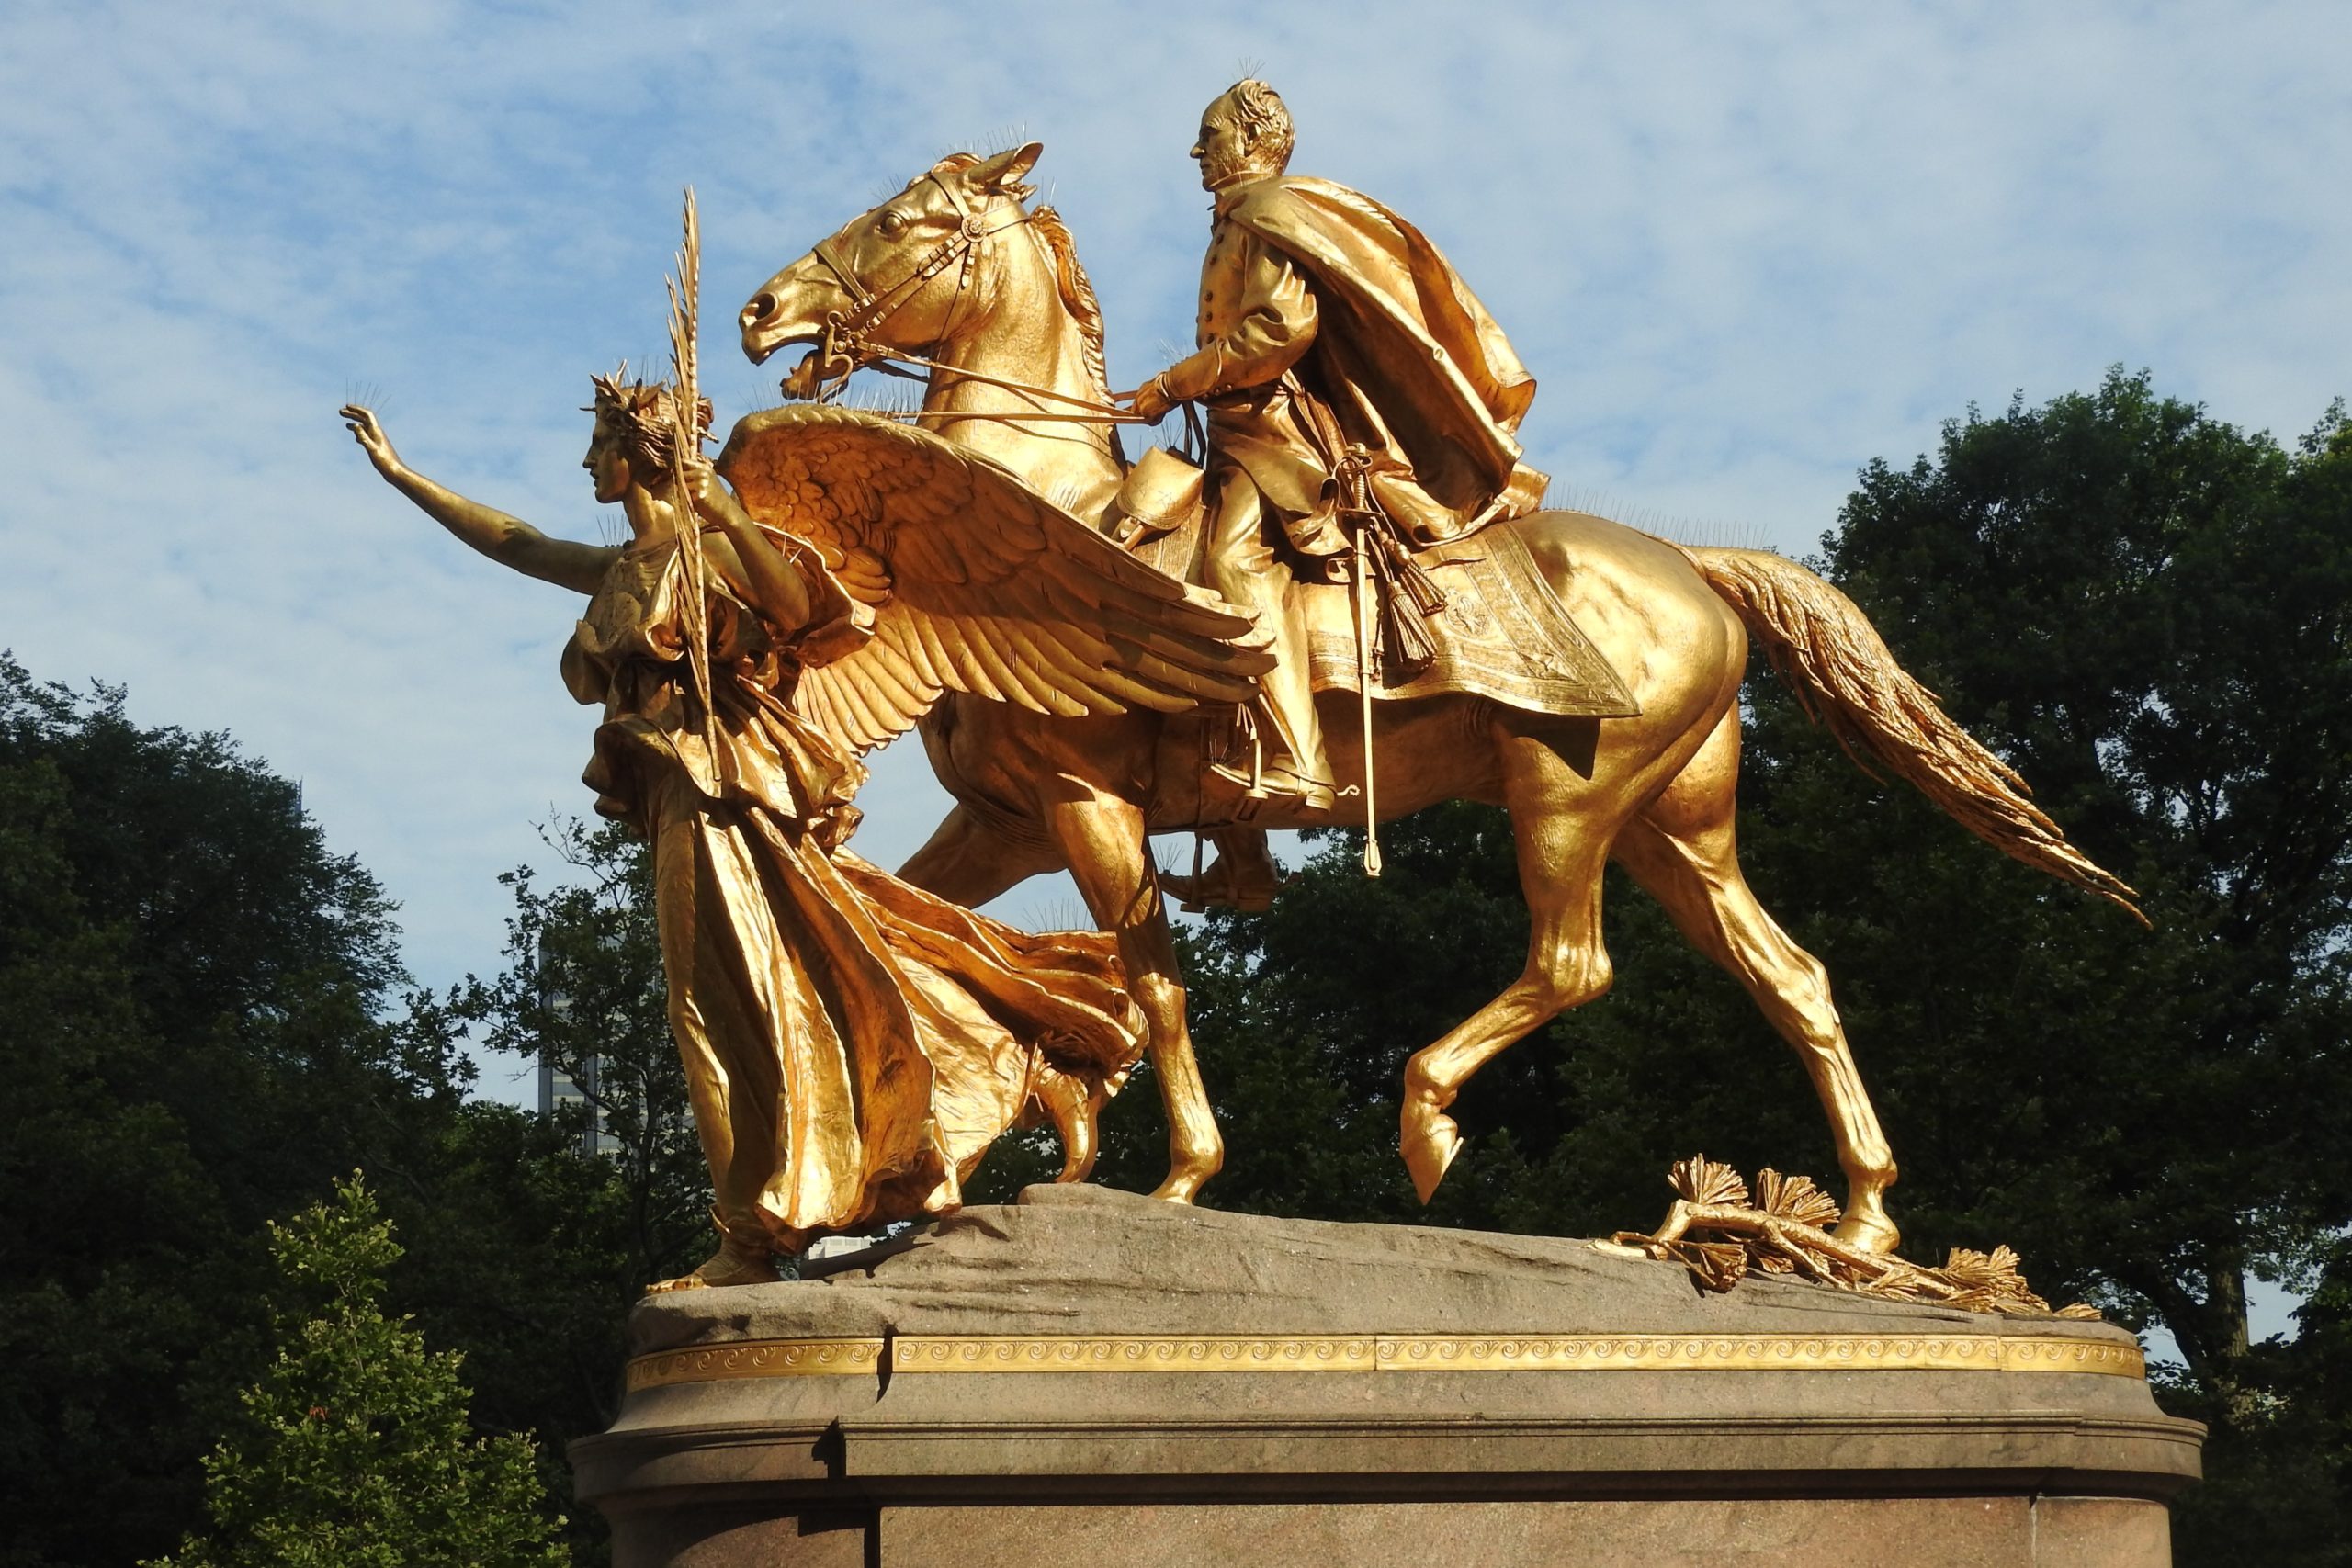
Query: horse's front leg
{"points": [[1102, 835]]}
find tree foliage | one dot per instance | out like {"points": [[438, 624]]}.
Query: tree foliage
{"points": [[355, 1449], [2150, 613], [200, 1031], [186, 976], [582, 991]]}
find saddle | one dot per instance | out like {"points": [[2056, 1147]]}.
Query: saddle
{"points": [[1472, 615]]}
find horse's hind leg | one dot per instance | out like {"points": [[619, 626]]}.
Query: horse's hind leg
{"points": [[967, 861], [1683, 849], [1561, 854]]}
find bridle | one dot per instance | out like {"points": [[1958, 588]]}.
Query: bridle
{"points": [[846, 343], [846, 339]]}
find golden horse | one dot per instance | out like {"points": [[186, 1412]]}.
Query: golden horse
{"points": [[956, 273]]}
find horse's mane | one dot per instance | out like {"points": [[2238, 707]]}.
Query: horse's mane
{"points": [[1069, 279], [1076, 290]]}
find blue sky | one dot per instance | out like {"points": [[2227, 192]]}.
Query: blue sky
{"points": [[1745, 249]]}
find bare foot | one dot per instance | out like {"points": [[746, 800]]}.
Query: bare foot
{"points": [[731, 1265]]}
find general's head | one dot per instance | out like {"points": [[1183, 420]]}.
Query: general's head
{"points": [[1245, 135]]}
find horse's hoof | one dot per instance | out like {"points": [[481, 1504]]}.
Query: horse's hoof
{"points": [[1191, 1162], [1429, 1142], [1869, 1229]]}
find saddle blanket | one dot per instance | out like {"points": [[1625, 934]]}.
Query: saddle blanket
{"points": [[1503, 635]]}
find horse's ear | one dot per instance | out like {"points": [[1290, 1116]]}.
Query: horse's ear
{"points": [[1001, 175]]}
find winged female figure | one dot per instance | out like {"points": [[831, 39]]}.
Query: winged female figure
{"points": [[852, 1043]]}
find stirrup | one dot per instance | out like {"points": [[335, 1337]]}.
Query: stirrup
{"points": [[1260, 784]]}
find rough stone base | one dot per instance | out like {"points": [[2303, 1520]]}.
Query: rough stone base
{"points": [[1090, 1378]]}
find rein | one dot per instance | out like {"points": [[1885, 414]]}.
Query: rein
{"points": [[887, 362], [847, 340]]}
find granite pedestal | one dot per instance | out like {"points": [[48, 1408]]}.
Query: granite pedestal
{"points": [[1089, 1377]]}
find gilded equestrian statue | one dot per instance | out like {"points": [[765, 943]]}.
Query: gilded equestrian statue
{"points": [[958, 274]]}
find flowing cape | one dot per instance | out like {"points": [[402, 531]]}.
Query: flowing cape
{"points": [[1415, 345]]}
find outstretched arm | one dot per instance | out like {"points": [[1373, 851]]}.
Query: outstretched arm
{"points": [[507, 540]]}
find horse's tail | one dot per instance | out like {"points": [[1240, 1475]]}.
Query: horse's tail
{"points": [[1822, 645]]}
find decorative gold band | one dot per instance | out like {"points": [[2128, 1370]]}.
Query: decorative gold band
{"points": [[757, 1358], [1393, 1353]]}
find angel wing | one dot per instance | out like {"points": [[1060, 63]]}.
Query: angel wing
{"points": [[977, 583]]}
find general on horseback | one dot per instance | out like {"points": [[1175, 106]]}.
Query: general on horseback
{"points": [[1435, 635], [1351, 381]]}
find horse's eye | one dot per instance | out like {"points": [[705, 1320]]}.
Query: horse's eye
{"points": [[890, 225]]}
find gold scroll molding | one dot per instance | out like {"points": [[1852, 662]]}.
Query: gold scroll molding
{"points": [[758, 1358], [1393, 1353]]}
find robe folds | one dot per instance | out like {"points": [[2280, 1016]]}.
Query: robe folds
{"points": [[852, 1045]]}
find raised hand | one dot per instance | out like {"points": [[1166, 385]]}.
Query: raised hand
{"points": [[361, 422], [506, 539]]}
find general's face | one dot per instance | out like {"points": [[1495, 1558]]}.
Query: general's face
{"points": [[1223, 150], [605, 464]]}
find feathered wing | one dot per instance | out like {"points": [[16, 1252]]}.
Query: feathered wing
{"points": [[977, 583]]}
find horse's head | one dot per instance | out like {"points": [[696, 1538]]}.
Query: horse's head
{"points": [[896, 278]]}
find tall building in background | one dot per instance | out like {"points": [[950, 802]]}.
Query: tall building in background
{"points": [[558, 1089]]}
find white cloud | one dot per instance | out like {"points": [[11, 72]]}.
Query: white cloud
{"points": [[1745, 249]]}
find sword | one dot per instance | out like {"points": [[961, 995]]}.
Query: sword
{"points": [[1363, 591]]}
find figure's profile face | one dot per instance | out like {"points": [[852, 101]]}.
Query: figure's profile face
{"points": [[1222, 150], [605, 464]]}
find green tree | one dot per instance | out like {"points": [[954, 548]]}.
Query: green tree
{"points": [[582, 991], [2149, 614], [200, 1029], [526, 1250], [354, 1447], [192, 991], [517, 1255]]}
